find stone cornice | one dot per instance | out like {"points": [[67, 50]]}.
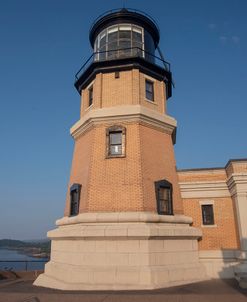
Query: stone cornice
{"points": [[204, 189], [237, 183], [132, 113], [125, 230], [123, 217]]}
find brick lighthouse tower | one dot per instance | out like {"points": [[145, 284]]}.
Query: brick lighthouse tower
{"points": [[123, 226]]}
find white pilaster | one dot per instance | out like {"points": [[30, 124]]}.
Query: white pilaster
{"points": [[237, 184]]}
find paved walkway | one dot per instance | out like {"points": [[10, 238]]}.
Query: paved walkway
{"points": [[214, 290]]}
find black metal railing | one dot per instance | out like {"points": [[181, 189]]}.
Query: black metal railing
{"points": [[123, 53], [25, 262]]}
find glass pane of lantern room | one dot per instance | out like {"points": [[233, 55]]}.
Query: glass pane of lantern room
{"points": [[102, 54], [112, 45], [125, 32], [125, 46], [137, 36], [112, 50], [102, 39], [112, 34], [137, 49]]}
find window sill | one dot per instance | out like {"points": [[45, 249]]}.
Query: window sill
{"points": [[115, 156], [151, 102], [89, 107], [209, 225]]}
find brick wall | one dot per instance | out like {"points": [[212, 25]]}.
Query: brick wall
{"points": [[80, 169], [221, 236], [224, 234], [115, 183], [158, 162], [123, 184], [128, 89]]}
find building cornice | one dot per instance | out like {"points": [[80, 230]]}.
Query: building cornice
{"points": [[237, 183], [132, 113], [124, 217], [204, 189]]}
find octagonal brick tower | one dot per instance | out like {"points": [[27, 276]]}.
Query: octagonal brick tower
{"points": [[116, 104], [124, 226]]}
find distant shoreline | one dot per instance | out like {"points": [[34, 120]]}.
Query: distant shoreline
{"points": [[30, 252], [35, 249]]}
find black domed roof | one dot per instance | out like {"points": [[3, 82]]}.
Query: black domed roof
{"points": [[124, 16]]}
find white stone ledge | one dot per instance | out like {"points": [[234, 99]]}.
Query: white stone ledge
{"points": [[204, 189], [117, 217], [125, 230], [122, 113]]}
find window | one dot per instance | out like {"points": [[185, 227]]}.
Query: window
{"points": [[90, 96], [115, 145], [207, 214], [163, 190], [149, 90], [75, 191]]}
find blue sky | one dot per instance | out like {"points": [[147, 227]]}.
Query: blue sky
{"points": [[44, 43]]}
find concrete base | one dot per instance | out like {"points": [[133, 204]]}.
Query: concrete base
{"points": [[219, 263], [118, 255], [241, 270]]}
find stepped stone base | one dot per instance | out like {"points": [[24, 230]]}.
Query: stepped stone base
{"points": [[134, 251]]}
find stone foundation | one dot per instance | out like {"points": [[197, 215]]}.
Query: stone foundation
{"points": [[122, 251], [219, 263]]}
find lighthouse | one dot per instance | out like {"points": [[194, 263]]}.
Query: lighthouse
{"points": [[123, 225]]}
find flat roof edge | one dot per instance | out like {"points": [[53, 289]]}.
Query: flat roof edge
{"points": [[214, 168], [200, 169]]}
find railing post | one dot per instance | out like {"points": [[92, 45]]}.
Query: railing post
{"points": [[26, 262]]}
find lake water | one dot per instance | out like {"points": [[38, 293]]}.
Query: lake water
{"points": [[20, 266]]}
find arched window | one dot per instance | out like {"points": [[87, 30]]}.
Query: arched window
{"points": [[115, 141], [163, 190]]}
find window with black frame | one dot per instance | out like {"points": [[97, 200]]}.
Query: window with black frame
{"points": [[149, 86], [90, 96], [115, 141], [75, 191], [163, 190], [207, 214]]}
